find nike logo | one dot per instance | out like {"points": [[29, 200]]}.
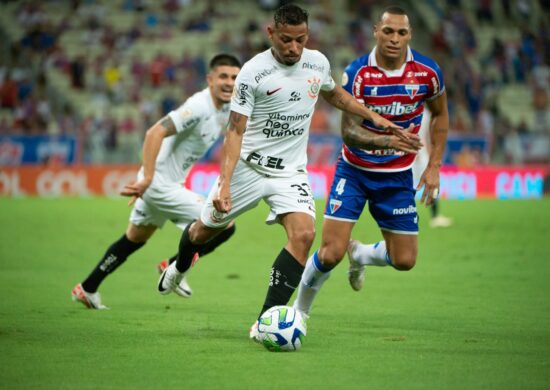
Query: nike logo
{"points": [[269, 93]]}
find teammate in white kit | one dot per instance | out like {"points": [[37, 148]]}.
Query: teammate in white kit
{"points": [[170, 148], [264, 152]]}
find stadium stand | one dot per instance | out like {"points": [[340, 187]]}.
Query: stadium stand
{"points": [[104, 70]]}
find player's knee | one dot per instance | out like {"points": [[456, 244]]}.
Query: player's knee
{"points": [[404, 262], [330, 255], [303, 238], [198, 234]]}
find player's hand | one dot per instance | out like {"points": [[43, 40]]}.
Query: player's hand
{"points": [[412, 145], [430, 181], [135, 190], [222, 200]]}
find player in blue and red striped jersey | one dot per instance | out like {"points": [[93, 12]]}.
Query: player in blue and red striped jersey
{"points": [[396, 82]]}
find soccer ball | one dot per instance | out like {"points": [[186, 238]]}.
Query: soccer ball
{"points": [[282, 328]]}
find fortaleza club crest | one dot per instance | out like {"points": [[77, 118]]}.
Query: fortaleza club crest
{"points": [[334, 205], [315, 85], [412, 89]]}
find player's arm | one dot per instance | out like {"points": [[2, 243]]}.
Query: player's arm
{"points": [[439, 127], [151, 147], [343, 100], [231, 151], [355, 135]]}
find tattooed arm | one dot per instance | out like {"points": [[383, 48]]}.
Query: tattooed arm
{"points": [[231, 151], [355, 135], [343, 100], [151, 147]]}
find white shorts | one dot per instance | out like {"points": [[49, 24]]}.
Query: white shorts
{"points": [[248, 187], [167, 202], [419, 165]]}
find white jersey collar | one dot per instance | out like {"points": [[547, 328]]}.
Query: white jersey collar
{"points": [[394, 72]]}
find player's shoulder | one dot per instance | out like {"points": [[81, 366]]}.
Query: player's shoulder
{"points": [[357, 64], [258, 62], [313, 55], [200, 103], [426, 61]]}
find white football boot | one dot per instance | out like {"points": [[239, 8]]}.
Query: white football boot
{"points": [[90, 300], [173, 280], [356, 271], [441, 222]]}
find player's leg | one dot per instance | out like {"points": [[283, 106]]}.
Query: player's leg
{"points": [[288, 266], [392, 204], [135, 237], [336, 235], [196, 236]]}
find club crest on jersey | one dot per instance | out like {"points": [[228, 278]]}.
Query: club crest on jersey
{"points": [[334, 205], [315, 85], [412, 90]]}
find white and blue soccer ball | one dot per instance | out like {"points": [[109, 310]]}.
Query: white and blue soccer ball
{"points": [[282, 328]]}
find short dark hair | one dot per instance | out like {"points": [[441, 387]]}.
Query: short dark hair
{"points": [[224, 60], [394, 10], [290, 14]]}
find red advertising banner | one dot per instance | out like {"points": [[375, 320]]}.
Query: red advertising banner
{"points": [[456, 183]]}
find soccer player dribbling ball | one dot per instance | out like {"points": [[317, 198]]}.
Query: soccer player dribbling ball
{"points": [[264, 152]]}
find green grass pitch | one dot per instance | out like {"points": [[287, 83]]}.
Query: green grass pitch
{"points": [[474, 313]]}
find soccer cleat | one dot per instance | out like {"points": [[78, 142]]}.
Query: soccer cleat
{"points": [[440, 222], [166, 262], [90, 300], [356, 271], [173, 280], [254, 333], [162, 266]]}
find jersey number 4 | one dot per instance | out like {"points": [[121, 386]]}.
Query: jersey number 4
{"points": [[340, 186]]}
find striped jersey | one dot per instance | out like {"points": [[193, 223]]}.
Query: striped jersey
{"points": [[398, 95]]}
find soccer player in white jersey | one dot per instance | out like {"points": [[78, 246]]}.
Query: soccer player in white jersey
{"points": [[264, 152], [170, 148], [437, 220], [396, 81]]}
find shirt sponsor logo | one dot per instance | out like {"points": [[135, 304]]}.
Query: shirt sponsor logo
{"points": [[265, 72], [295, 96], [417, 74], [404, 210], [315, 67], [357, 85], [373, 75], [241, 94], [396, 108], [266, 161], [436, 85]]}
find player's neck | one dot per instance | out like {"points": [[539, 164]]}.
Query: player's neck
{"points": [[390, 63]]}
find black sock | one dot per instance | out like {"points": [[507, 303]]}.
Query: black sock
{"points": [[117, 254], [285, 276], [216, 241], [435, 208], [186, 251]]}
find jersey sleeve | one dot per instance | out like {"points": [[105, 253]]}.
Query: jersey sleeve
{"points": [[328, 82], [187, 116], [348, 78], [437, 85], [243, 98]]}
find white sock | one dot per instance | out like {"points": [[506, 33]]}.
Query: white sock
{"points": [[313, 277], [372, 254]]}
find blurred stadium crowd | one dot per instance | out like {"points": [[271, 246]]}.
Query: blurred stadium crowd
{"points": [[106, 70]]}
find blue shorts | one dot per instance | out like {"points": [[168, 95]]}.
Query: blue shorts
{"points": [[390, 196]]}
